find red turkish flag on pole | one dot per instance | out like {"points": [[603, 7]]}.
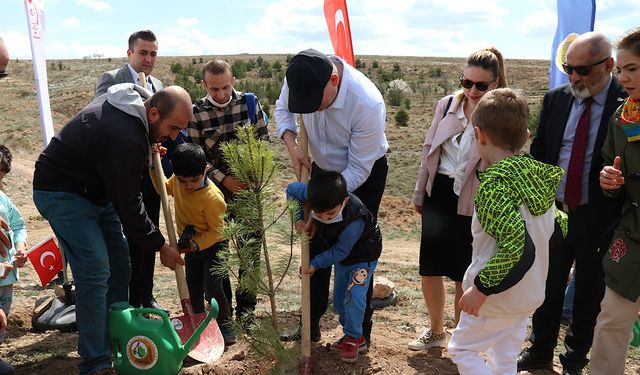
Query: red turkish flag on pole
{"points": [[46, 260], [335, 11]]}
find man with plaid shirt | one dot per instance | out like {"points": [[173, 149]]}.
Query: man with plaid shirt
{"points": [[215, 118]]}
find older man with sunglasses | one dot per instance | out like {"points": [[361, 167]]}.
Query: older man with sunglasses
{"points": [[571, 131]]}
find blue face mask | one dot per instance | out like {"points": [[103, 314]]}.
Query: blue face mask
{"points": [[336, 219]]}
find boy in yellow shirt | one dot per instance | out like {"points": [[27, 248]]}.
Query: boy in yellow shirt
{"points": [[199, 211]]}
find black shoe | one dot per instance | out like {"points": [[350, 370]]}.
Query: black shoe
{"points": [[297, 335], [5, 368], [315, 334], [571, 371], [528, 361], [154, 305]]}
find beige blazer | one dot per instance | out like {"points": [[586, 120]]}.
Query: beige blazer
{"points": [[442, 128]]}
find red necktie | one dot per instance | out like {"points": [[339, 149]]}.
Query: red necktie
{"points": [[573, 187]]}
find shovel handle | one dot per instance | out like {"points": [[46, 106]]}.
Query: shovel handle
{"points": [[183, 291], [305, 288]]}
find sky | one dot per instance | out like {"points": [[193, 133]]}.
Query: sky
{"points": [[453, 28]]}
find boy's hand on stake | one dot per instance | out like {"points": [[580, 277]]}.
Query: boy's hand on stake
{"points": [[307, 271], [169, 256], [471, 301]]}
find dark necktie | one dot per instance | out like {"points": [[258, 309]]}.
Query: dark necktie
{"points": [[573, 187]]}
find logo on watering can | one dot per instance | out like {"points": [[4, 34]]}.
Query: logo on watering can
{"points": [[142, 352]]}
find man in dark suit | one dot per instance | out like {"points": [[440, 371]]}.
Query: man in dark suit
{"points": [[571, 131], [142, 54]]}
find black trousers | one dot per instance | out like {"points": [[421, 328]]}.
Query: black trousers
{"points": [[370, 193], [143, 262], [582, 244], [203, 283]]}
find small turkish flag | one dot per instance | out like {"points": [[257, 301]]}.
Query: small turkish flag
{"points": [[46, 260]]}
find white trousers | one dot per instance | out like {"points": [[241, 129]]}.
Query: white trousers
{"points": [[613, 333], [501, 339]]}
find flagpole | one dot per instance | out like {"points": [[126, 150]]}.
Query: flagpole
{"points": [[36, 22]]}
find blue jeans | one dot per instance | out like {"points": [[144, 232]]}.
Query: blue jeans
{"points": [[92, 241], [569, 295], [350, 285]]}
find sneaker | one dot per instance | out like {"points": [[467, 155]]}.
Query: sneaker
{"points": [[337, 346], [228, 335], [350, 348], [428, 340]]}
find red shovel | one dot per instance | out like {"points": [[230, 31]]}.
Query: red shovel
{"points": [[210, 346]]}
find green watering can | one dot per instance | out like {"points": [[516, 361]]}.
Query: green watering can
{"points": [[149, 346]]}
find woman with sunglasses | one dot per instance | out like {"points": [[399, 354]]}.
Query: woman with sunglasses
{"points": [[620, 179], [445, 189]]}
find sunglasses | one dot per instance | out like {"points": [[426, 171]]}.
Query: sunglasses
{"points": [[582, 70], [481, 86]]}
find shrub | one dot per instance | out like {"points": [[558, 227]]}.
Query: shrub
{"points": [[407, 103], [398, 91], [265, 71], [251, 64], [435, 72], [239, 68], [375, 64], [402, 117]]}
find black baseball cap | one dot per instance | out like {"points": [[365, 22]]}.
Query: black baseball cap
{"points": [[307, 75]]}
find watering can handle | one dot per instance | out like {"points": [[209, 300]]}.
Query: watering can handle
{"points": [[161, 313]]}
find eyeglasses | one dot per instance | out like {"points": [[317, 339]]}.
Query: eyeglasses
{"points": [[582, 70], [481, 86]]}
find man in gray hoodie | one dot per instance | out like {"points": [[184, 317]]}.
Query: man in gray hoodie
{"points": [[87, 185]]}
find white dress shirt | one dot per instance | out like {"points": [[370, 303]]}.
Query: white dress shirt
{"points": [[455, 151], [348, 136]]}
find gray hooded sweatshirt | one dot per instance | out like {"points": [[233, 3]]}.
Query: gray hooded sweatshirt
{"points": [[101, 155]]}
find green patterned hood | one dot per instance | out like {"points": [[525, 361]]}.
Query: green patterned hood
{"points": [[504, 187], [527, 181]]}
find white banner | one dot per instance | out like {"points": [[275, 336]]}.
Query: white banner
{"points": [[35, 18]]}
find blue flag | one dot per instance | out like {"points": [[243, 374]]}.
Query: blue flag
{"points": [[574, 17]]}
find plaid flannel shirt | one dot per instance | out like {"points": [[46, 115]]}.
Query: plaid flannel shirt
{"points": [[211, 125]]}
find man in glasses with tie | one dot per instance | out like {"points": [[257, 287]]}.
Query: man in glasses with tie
{"points": [[571, 131]]}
